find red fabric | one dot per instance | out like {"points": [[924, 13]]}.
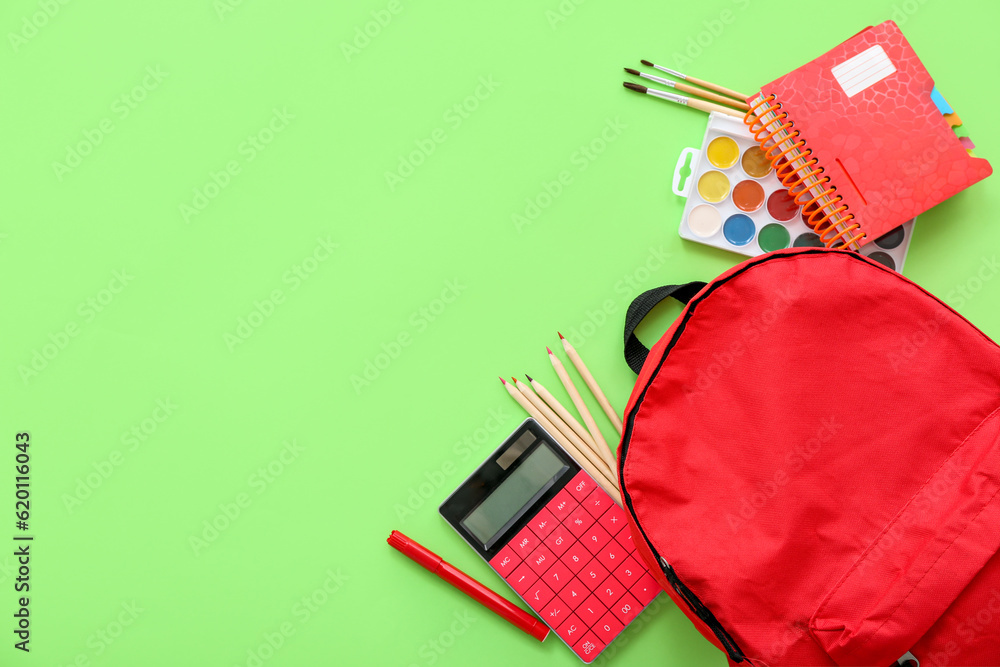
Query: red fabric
{"points": [[817, 456]]}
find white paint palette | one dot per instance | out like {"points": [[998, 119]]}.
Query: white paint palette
{"points": [[736, 202]]}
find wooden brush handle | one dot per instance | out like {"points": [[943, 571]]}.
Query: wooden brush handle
{"points": [[691, 90], [709, 107], [719, 89]]}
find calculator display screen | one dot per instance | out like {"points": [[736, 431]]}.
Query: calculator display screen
{"points": [[504, 505]]}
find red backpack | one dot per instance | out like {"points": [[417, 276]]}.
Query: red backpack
{"points": [[811, 465]]}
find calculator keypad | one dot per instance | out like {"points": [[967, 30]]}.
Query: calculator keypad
{"points": [[575, 564]]}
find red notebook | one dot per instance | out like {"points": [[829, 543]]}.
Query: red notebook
{"points": [[857, 138]]}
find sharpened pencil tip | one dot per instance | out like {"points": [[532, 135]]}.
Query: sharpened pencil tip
{"points": [[634, 86], [561, 336], [514, 379], [502, 380], [647, 63], [549, 350], [632, 71], [529, 377]]}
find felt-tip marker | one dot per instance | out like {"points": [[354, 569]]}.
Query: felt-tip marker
{"points": [[469, 586]]}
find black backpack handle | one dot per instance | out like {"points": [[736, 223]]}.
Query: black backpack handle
{"points": [[635, 351]]}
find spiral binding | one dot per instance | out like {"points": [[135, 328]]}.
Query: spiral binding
{"points": [[832, 219]]}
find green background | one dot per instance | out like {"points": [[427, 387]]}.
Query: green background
{"points": [[431, 271]]}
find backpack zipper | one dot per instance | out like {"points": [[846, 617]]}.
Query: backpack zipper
{"points": [[696, 605]]}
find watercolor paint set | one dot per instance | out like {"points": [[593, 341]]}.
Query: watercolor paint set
{"points": [[736, 202]]}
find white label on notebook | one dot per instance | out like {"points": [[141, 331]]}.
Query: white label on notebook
{"points": [[863, 70]]}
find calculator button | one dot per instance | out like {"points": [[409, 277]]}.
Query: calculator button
{"points": [[525, 542], [589, 647], [579, 521], [562, 505], [554, 612], [608, 628], [543, 523], [540, 560], [557, 576], [559, 540], [646, 589], [612, 555], [576, 557], [624, 538], [505, 562], [614, 519], [581, 486], [598, 502], [626, 608], [522, 579], [571, 630], [595, 539], [593, 574], [590, 610], [629, 572], [610, 591], [538, 595], [574, 592]]}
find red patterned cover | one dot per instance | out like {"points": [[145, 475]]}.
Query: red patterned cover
{"points": [[901, 155]]}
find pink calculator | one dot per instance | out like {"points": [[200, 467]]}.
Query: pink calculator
{"points": [[556, 537]]}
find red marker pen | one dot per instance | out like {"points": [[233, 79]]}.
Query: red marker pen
{"points": [[469, 586]]}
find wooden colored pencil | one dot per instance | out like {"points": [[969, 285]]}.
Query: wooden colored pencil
{"points": [[595, 388], [558, 408], [577, 399], [563, 413], [565, 432], [594, 472]]}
